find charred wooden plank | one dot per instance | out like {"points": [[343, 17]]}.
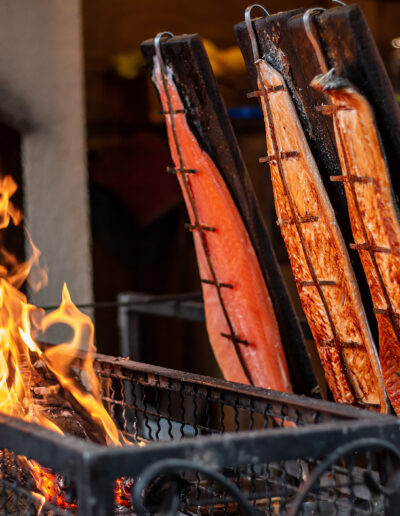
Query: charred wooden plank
{"points": [[208, 120], [283, 42], [373, 216], [335, 314]]}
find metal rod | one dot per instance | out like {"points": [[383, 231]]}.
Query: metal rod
{"points": [[310, 31], [141, 300]]}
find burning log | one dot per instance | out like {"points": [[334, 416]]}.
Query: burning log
{"points": [[60, 407], [44, 387]]}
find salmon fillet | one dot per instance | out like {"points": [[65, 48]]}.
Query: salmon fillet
{"points": [[318, 255], [240, 318], [373, 215]]}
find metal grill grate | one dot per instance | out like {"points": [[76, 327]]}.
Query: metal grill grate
{"points": [[273, 450], [151, 403]]}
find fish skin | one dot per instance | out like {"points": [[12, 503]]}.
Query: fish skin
{"points": [[352, 372], [234, 260], [372, 213]]}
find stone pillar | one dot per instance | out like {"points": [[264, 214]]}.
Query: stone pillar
{"points": [[41, 93]]}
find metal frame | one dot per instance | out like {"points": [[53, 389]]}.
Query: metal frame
{"points": [[229, 391], [95, 468], [132, 305]]}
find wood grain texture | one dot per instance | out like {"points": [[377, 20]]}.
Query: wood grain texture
{"points": [[318, 255], [373, 215]]}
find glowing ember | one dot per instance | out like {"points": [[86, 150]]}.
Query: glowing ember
{"points": [[122, 491], [49, 486], [22, 361]]}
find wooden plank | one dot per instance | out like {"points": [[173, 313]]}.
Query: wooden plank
{"points": [[209, 122], [283, 42], [351, 50]]}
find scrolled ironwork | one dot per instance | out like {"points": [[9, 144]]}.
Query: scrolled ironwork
{"points": [[369, 444], [167, 467]]}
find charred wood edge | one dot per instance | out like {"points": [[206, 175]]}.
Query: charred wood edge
{"points": [[284, 44], [209, 122], [389, 490], [59, 406]]}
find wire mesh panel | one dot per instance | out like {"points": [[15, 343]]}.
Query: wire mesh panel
{"points": [[151, 403], [272, 487]]}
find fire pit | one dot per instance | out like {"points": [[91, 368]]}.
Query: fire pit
{"points": [[208, 462]]}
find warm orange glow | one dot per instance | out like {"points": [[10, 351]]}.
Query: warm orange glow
{"points": [[122, 492], [47, 484], [60, 360], [20, 322]]}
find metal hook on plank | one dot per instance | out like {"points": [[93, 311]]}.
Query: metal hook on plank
{"points": [[310, 29], [250, 28], [157, 46]]}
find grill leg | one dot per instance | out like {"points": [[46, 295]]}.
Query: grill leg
{"points": [[95, 494]]}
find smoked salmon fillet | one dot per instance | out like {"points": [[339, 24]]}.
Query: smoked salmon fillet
{"points": [[240, 318], [317, 253], [373, 215]]}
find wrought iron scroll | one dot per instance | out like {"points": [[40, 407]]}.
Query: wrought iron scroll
{"points": [[168, 467], [391, 488]]}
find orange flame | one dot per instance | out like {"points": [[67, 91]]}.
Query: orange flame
{"points": [[19, 323], [47, 484]]}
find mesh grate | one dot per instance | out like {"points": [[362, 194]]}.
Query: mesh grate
{"points": [[149, 406]]}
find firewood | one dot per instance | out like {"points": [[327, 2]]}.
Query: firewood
{"points": [[60, 407]]}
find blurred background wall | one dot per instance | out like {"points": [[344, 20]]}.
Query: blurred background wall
{"points": [[43, 136]]}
